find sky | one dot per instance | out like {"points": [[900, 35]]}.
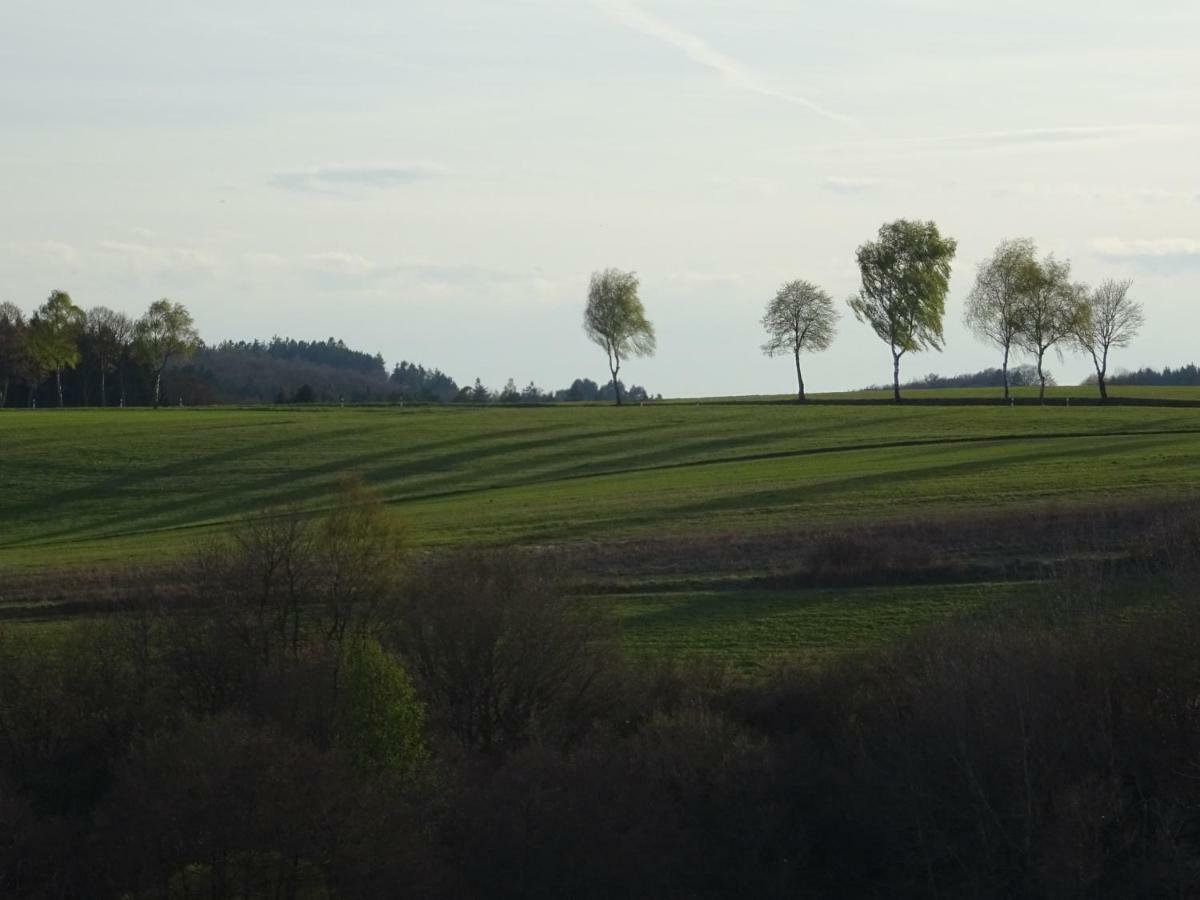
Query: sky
{"points": [[435, 181]]}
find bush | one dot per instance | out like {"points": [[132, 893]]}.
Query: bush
{"points": [[499, 651], [379, 719]]}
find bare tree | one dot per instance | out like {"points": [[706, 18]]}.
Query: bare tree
{"points": [[1112, 319], [163, 333], [13, 339], [801, 317], [1051, 310], [616, 320], [995, 306], [111, 335], [905, 278]]}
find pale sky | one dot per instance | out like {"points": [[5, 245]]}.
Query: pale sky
{"points": [[435, 181]]}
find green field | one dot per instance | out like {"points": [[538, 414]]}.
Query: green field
{"points": [[111, 488], [117, 485]]}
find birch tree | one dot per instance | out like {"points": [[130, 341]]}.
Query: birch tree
{"points": [[54, 337], [615, 320], [996, 304], [164, 333], [905, 278], [801, 318], [1052, 310], [1112, 319]]}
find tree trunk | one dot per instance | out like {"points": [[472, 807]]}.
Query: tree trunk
{"points": [[615, 372], [103, 388], [1041, 379], [157, 386], [3, 393], [800, 398], [896, 375], [121, 379], [58, 381], [1101, 371], [1004, 369]]}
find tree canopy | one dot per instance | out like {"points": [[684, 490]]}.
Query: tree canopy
{"points": [[1111, 318], [800, 318], [996, 305], [615, 319], [905, 278], [164, 332], [1052, 311]]}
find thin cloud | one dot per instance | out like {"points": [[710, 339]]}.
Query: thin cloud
{"points": [[347, 269], [1037, 137], [155, 258], [700, 51], [1000, 141], [340, 177], [846, 186], [1151, 253], [54, 252]]}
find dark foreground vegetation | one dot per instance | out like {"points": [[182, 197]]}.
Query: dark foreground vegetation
{"points": [[313, 718]]}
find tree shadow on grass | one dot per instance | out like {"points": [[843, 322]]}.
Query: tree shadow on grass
{"points": [[794, 499]]}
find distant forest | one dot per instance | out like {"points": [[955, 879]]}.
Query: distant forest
{"points": [[62, 355], [1018, 376], [284, 370], [1184, 375]]}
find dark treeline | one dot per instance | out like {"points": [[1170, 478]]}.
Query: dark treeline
{"points": [[312, 719], [1184, 375], [581, 390], [330, 352], [282, 371], [62, 355], [1018, 376]]}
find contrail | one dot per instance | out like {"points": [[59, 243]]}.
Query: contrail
{"points": [[699, 51]]}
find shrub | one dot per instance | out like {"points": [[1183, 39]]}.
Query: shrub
{"points": [[500, 652], [380, 719]]}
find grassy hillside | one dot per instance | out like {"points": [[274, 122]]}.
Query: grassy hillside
{"points": [[104, 486]]}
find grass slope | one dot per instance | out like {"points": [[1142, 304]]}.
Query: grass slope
{"points": [[106, 486]]}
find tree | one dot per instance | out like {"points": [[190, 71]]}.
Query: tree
{"points": [[905, 277], [14, 337], [54, 337], [1052, 311], [1112, 319], [110, 334], [616, 320], [995, 305], [800, 318], [502, 652], [163, 333], [510, 394], [479, 393]]}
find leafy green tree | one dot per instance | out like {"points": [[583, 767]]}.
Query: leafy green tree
{"points": [[14, 339], [110, 335], [1112, 319], [163, 333], [616, 320], [801, 318], [1053, 310], [54, 337], [996, 304], [380, 720], [905, 278]]}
